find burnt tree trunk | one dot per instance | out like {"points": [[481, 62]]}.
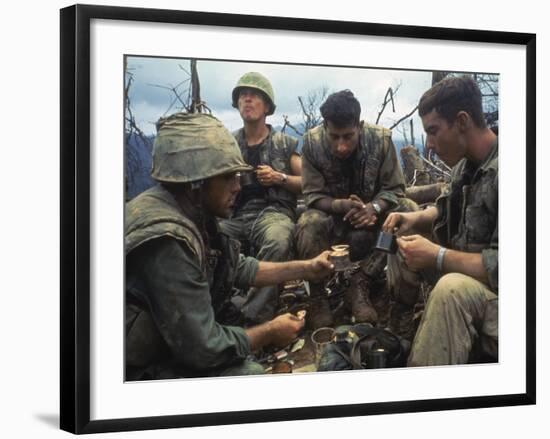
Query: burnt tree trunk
{"points": [[414, 167], [426, 193]]}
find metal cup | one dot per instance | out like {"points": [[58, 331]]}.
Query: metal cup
{"points": [[376, 359], [320, 338], [247, 178], [386, 242], [339, 257]]}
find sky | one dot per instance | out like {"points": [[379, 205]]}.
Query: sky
{"points": [[217, 79]]}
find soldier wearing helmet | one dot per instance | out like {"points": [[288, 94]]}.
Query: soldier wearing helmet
{"points": [[180, 269], [265, 210]]}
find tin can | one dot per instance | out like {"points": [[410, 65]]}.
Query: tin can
{"points": [[339, 256], [386, 242], [376, 358]]}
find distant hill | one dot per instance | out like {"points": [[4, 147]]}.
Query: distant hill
{"points": [[138, 159]]}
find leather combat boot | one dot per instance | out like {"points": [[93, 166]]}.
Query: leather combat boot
{"points": [[358, 300], [319, 314]]}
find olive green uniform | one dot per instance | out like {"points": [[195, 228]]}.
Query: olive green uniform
{"points": [[266, 224], [178, 278], [461, 316], [372, 173]]}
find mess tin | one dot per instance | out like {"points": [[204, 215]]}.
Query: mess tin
{"points": [[386, 242], [247, 178], [339, 257]]}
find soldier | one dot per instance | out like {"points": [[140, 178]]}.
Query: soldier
{"points": [[265, 211], [351, 180], [460, 322], [180, 269]]}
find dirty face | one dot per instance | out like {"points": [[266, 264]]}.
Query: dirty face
{"points": [[219, 194], [343, 141], [443, 138], [252, 105]]}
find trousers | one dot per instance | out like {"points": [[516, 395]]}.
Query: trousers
{"points": [[460, 319]]}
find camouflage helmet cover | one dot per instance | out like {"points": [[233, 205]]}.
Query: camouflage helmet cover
{"points": [[256, 81], [192, 147]]}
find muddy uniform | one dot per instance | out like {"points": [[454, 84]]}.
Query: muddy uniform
{"points": [[462, 313], [264, 217], [372, 172], [179, 276]]}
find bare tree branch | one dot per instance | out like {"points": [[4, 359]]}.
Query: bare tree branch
{"points": [[404, 117], [310, 106], [173, 90], [288, 124], [436, 167], [184, 69], [389, 93]]}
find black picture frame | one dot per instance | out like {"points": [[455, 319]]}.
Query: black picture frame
{"points": [[75, 217]]}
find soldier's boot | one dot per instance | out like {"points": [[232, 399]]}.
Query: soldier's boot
{"points": [[358, 300], [319, 314], [402, 321]]}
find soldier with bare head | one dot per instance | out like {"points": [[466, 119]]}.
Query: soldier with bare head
{"points": [[265, 211], [460, 322], [351, 180]]}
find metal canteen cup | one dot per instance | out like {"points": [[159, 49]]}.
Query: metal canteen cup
{"points": [[339, 256], [386, 242]]}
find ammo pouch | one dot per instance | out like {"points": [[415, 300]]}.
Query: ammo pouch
{"points": [[364, 347]]}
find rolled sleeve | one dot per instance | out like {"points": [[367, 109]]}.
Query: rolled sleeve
{"points": [[247, 268], [293, 147], [180, 303]]}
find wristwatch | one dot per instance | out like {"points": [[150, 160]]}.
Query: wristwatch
{"points": [[376, 207], [285, 177]]}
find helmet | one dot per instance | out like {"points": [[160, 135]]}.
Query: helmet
{"points": [[192, 147], [256, 81]]}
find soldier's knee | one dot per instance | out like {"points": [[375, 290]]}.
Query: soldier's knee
{"points": [[277, 247], [451, 286], [312, 233], [312, 223], [312, 218]]}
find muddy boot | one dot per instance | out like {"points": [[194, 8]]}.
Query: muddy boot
{"points": [[319, 314], [358, 300], [402, 321]]}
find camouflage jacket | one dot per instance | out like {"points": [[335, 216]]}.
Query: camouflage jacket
{"points": [[275, 151], [468, 212], [374, 173], [178, 276]]}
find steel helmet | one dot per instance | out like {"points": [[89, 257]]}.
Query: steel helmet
{"points": [[256, 81], [192, 147]]}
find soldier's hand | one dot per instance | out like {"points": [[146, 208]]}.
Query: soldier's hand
{"points": [[284, 329], [267, 176], [418, 252], [346, 206], [399, 223], [319, 267], [363, 217]]}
